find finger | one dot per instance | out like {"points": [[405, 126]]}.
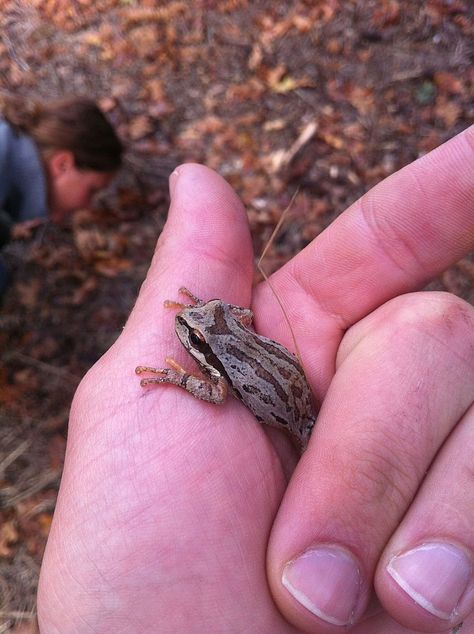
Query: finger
{"points": [[402, 233], [426, 574], [205, 246], [403, 381]]}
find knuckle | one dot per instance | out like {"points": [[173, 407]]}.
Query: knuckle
{"points": [[407, 321], [438, 315], [388, 236], [383, 469], [431, 306]]}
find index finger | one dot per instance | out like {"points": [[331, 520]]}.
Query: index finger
{"points": [[399, 235]]}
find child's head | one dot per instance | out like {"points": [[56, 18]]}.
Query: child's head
{"points": [[79, 147]]}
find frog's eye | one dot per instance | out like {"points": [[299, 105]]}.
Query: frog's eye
{"points": [[196, 338]]}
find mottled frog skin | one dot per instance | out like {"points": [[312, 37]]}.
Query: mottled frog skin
{"points": [[262, 373]]}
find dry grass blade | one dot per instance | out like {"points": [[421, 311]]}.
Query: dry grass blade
{"points": [[46, 367], [11, 496], [12, 456], [267, 279]]}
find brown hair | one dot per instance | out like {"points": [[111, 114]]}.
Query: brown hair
{"points": [[75, 124]]}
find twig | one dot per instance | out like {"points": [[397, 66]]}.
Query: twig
{"points": [[283, 159]]}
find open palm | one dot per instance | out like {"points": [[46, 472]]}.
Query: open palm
{"points": [[175, 515]]}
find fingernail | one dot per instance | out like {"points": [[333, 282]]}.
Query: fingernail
{"points": [[172, 181], [326, 580], [434, 575]]}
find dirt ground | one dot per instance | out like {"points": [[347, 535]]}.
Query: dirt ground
{"points": [[329, 97]]}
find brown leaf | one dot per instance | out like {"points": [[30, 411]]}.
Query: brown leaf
{"points": [[332, 140], [97, 243], [279, 82], [45, 520], [89, 241], [251, 90], [274, 75], [154, 90], [145, 40], [448, 83], [139, 127], [107, 104], [255, 57], [334, 46], [8, 537], [387, 13], [274, 30], [361, 97], [161, 14], [92, 38], [303, 23], [447, 111], [113, 266]]}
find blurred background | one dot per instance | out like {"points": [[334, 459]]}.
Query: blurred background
{"points": [[327, 96]]}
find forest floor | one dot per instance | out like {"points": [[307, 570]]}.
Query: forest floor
{"points": [[329, 97]]}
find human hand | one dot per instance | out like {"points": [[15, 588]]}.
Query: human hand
{"points": [[176, 515], [24, 230]]}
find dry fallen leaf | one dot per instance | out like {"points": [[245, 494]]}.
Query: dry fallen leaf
{"points": [[448, 83], [255, 57], [386, 13], [107, 104], [160, 14], [448, 111], [8, 537], [145, 40], [113, 266], [139, 127], [361, 97], [332, 140]]}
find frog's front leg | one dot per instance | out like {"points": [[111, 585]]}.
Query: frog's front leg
{"points": [[244, 315], [199, 387], [169, 303]]}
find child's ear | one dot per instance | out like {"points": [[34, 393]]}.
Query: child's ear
{"points": [[60, 162]]}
